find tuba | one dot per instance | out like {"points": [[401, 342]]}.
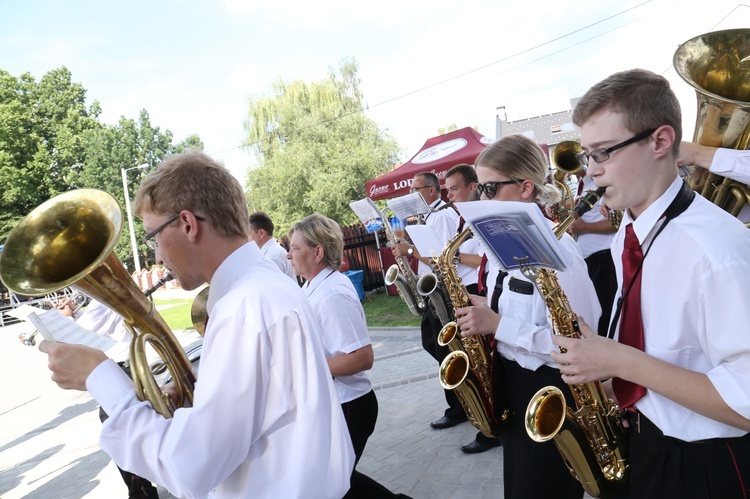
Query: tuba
{"points": [[69, 240], [467, 369], [565, 159], [590, 439], [717, 66]]}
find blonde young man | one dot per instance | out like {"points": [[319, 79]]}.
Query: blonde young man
{"points": [[266, 420], [685, 381]]}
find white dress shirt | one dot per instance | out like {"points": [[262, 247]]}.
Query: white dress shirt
{"points": [[593, 243], [337, 306], [104, 321], [266, 421], [524, 334], [273, 251], [445, 224], [734, 164], [694, 304]]}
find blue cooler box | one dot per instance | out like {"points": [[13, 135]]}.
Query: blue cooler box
{"points": [[357, 276]]}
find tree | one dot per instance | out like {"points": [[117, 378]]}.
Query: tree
{"points": [[51, 142], [315, 148]]}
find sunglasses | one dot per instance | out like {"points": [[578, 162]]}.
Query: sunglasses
{"points": [[489, 189]]}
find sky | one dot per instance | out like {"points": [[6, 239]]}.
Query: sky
{"points": [[192, 64]]}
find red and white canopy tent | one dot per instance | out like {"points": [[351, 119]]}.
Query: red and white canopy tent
{"points": [[437, 155]]}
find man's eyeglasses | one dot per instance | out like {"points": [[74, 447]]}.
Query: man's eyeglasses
{"points": [[489, 189], [415, 189], [602, 155], [151, 242]]}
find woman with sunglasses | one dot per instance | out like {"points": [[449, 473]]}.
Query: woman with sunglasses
{"points": [[515, 169]]}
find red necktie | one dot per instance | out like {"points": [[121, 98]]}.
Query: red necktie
{"points": [[580, 187], [631, 324], [460, 225], [482, 276]]}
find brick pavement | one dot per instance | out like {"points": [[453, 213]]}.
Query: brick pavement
{"points": [[48, 436]]}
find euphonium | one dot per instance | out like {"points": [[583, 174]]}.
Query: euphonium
{"points": [[717, 66], [566, 162], [69, 240], [590, 439], [402, 276], [468, 367]]}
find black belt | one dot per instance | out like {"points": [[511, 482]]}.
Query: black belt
{"points": [[643, 426]]}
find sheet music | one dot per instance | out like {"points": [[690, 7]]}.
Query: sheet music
{"points": [[511, 230], [55, 327], [365, 209], [426, 240], [408, 206], [368, 213]]}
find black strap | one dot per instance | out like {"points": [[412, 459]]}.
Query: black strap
{"points": [[678, 205], [497, 290]]}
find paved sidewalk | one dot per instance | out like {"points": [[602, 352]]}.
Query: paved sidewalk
{"points": [[49, 449]]}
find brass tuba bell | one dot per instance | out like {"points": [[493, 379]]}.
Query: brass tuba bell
{"points": [[69, 240], [717, 66]]}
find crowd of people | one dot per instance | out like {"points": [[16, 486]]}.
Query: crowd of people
{"points": [[284, 367]]}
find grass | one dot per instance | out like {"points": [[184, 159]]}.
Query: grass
{"points": [[177, 315], [381, 310], [384, 310]]}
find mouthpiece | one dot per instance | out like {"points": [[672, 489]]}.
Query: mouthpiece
{"points": [[167, 277]]}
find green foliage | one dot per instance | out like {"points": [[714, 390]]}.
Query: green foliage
{"points": [[50, 143], [384, 310], [315, 148], [176, 314]]}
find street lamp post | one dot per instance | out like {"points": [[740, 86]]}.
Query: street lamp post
{"points": [[125, 171]]}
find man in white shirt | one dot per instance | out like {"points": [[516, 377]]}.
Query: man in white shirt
{"points": [[445, 222], [686, 386], [266, 420], [730, 163], [261, 231]]}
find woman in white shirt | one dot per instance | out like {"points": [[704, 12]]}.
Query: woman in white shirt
{"points": [[315, 251], [515, 169]]}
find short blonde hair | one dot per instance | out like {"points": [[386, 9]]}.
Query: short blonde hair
{"points": [[196, 182], [316, 230], [520, 158]]}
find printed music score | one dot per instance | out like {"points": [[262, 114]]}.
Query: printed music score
{"points": [[510, 231], [369, 214], [55, 327], [408, 206]]}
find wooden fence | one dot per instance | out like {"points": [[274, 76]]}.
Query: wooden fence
{"points": [[361, 249]]}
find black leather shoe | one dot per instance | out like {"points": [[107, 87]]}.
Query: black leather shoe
{"points": [[448, 422], [475, 447]]}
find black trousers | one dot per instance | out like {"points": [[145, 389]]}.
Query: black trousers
{"points": [[361, 415], [663, 467], [602, 274], [138, 487], [431, 327], [531, 469]]}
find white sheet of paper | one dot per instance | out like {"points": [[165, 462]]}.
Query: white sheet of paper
{"points": [[365, 209], [426, 240], [408, 206], [54, 326]]}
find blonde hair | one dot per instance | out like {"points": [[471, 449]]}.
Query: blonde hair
{"points": [[316, 230], [520, 158], [196, 182]]}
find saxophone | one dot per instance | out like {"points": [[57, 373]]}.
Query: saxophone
{"points": [[468, 367], [590, 439], [402, 276]]}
